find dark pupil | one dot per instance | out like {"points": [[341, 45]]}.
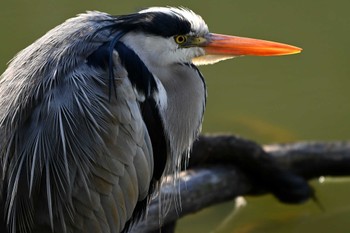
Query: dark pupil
{"points": [[180, 39]]}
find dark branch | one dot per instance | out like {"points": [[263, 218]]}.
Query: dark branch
{"points": [[224, 167], [313, 159]]}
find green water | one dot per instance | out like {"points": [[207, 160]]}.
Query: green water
{"points": [[279, 99]]}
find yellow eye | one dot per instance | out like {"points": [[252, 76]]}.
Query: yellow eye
{"points": [[180, 39]]}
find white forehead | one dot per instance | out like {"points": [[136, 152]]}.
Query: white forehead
{"points": [[198, 26]]}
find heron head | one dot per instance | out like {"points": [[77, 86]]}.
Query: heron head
{"points": [[165, 35]]}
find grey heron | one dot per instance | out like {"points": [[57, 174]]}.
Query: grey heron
{"points": [[95, 112]]}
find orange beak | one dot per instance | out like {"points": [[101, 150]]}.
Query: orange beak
{"points": [[217, 44]]}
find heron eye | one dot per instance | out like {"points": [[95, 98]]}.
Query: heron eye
{"points": [[180, 39]]}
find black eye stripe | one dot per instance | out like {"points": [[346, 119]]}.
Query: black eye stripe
{"points": [[156, 23]]}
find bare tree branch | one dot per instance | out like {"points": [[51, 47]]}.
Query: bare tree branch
{"points": [[224, 167], [313, 159]]}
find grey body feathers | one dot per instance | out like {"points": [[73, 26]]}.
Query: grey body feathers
{"points": [[71, 158]]}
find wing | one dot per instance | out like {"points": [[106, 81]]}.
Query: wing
{"points": [[121, 173], [72, 158]]}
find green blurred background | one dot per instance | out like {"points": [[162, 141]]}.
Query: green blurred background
{"points": [[277, 99]]}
